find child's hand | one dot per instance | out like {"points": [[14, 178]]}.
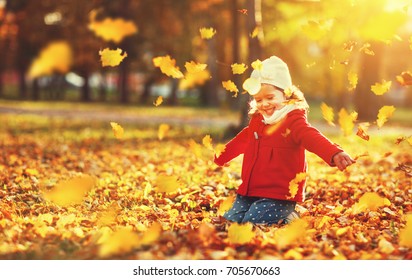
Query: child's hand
{"points": [[342, 160]]}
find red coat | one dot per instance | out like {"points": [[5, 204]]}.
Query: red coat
{"points": [[274, 154]]}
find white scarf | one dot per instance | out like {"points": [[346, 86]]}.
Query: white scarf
{"points": [[279, 115]]}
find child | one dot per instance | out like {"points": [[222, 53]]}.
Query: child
{"points": [[273, 145]]}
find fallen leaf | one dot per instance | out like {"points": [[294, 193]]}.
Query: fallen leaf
{"points": [[369, 201], [384, 113], [291, 233], [121, 241], [405, 234], [240, 233], [167, 183]]}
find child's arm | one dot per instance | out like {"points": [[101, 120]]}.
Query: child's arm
{"points": [[342, 160], [233, 148]]}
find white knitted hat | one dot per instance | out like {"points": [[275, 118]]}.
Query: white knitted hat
{"points": [[274, 72]]}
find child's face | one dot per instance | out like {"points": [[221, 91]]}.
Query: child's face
{"points": [[269, 99]]}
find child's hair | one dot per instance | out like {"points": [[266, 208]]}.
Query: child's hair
{"points": [[293, 95]]}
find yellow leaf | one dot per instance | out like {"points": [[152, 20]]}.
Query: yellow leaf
{"points": [[46, 218], [385, 246], [327, 113], [346, 121], [117, 130], [112, 29], [240, 234], [71, 191], [255, 32], [219, 149], [384, 113], [252, 85], [290, 233], [362, 131], [225, 205], [230, 86], [381, 88], [207, 142], [111, 57], [194, 76], [195, 148], [193, 67], [405, 78], [293, 254], [159, 100], [369, 201], [405, 234], [55, 57], [167, 183], [294, 184], [365, 49], [163, 130], [151, 234], [238, 68], [207, 33], [353, 80], [121, 241], [257, 65], [168, 66]]}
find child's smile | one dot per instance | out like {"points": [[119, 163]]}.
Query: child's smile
{"points": [[269, 99]]}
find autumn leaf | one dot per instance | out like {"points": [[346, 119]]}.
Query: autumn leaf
{"points": [[257, 65], [366, 49], [158, 101], [381, 88], [405, 78], [252, 85], [71, 191], [238, 68], [121, 241], [327, 113], [167, 183], [195, 148], [362, 129], [384, 113], [405, 234], [255, 32], [117, 130], [207, 33], [225, 205], [150, 235], [194, 68], [369, 201], [243, 11], [111, 57], [348, 46], [163, 131], [405, 168], [294, 184], [291, 233], [112, 29], [353, 80], [168, 66], [240, 233], [55, 57], [346, 121], [219, 149], [207, 142], [230, 86]]}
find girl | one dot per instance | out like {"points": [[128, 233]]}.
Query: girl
{"points": [[273, 145]]}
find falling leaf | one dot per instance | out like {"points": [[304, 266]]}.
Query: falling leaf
{"points": [[195, 148], [219, 149], [405, 234], [121, 241], [158, 101], [117, 130], [168, 66], [163, 131], [348, 46], [238, 68], [55, 57], [405, 78], [294, 184], [381, 88], [316, 30], [111, 57], [207, 33], [243, 11], [240, 233], [257, 65], [384, 113], [196, 75], [255, 32], [167, 183], [369, 201], [230, 86], [225, 205], [194, 68], [291, 233], [151, 234], [252, 85], [207, 142], [362, 129], [327, 113], [112, 29], [353, 80], [346, 121], [71, 191]]}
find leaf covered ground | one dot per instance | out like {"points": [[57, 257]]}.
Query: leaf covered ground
{"points": [[77, 189]]}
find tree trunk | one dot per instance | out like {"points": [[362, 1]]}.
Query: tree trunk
{"points": [[236, 103], [35, 94], [123, 82], [86, 88], [366, 102], [173, 93], [22, 84], [212, 99]]}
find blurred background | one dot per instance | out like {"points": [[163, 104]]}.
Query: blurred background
{"points": [[336, 50]]}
